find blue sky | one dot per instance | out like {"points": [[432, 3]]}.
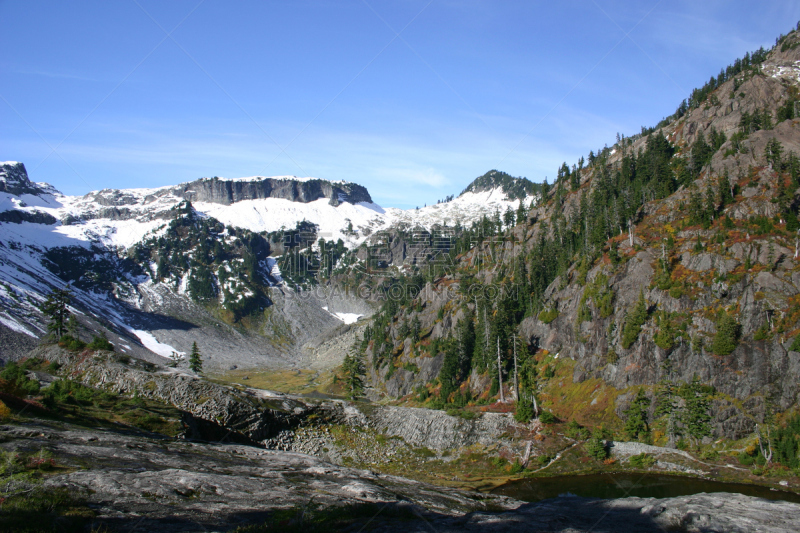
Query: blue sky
{"points": [[411, 98]]}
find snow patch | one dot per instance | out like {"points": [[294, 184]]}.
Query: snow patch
{"points": [[151, 343], [467, 208], [273, 214], [347, 318], [274, 269], [13, 325]]}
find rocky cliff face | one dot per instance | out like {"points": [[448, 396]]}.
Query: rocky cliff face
{"points": [[741, 261], [14, 179], [227, 192], [765, 366]]}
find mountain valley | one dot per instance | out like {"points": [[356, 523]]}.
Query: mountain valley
{"points": [[286, 347]]}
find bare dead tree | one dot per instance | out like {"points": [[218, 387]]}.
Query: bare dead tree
{"points": [[630, 231], [516, 374], [486, 337], [500, 373], [796, 243], [767, 453]]}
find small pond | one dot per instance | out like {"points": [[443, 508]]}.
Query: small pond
{"points": [[630, 484]]}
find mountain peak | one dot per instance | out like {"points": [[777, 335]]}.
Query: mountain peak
{"points": [[513, 187], [14, 179]]}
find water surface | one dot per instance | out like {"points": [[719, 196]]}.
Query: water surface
{"points": [[621, 485]]}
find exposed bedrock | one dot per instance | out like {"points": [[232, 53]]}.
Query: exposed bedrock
{"points": [[157, 484]]}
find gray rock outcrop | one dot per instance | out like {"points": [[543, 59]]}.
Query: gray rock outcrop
{"points": [[436, 429], [227, 192], [249, 415], [18, 217], [14, 180], [263, 417], [13, 343], [149, 483]]}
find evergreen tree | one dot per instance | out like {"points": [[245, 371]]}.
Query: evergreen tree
{"points": [[162, 267], [666, 336], [545, 191], [634, 322], [696, 208], [787, 111], [695, 417], [667, 404], [718, 138], [403, 330], [522, 213], [725, 191], [523, 412], [727, 336], [354, 370], [613, 253], [509, 217], [73, 327], [793, 167], [636, 425], [100, 343], [787, 443], [55, 309], [596, 446], [701, 153], [416, 329], [710, 207], [195, 361], [201, 283], [480, 351], [784, 197], [465, 329], [458, 357], [795, 346], [772, 153], [449, 374], [574, 182]]}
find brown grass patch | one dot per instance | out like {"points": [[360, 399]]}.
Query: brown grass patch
{"points": [[288, 381]]}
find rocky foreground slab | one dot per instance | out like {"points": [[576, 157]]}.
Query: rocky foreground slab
{"points": [[151, 483]]}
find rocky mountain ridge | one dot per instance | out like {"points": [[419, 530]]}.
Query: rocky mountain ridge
{"points": [[226, 191], [670, 256], [178, 264], [14, 180], [515, 188], [632, 267]]}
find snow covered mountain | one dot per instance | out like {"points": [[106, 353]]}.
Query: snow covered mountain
{"points": [[488, 195], [340, 210], [145, 264]]}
